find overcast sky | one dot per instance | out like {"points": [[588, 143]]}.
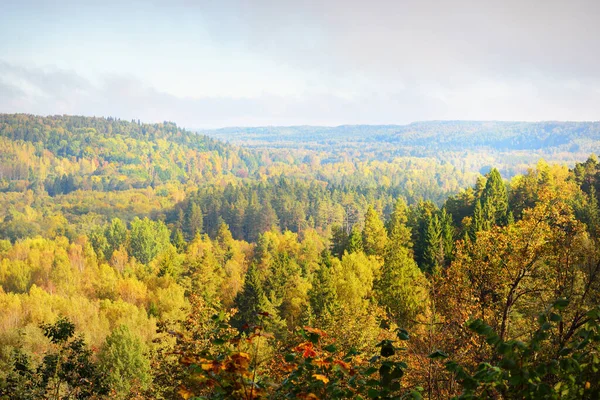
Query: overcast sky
{"points": [[231, 63]]}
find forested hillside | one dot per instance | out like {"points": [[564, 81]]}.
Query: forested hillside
{"points": [[66, 153], [145, 261], [470, 146], [434, 135], [77, 172]]}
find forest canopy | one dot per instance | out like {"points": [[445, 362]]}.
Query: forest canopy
{"points": [[147, 261]]}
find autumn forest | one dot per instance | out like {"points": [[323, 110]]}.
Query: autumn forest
{"points": [[434, 260]]}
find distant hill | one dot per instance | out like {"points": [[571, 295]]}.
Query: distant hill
{"points": [[469, 146], [65, 153], [431, 135]]}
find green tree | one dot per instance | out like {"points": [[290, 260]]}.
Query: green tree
{"points": [[527, 369], [339, 241], [398, 231], [478, 223], [147, 239], [116, 234], [251, 300], [354, 277], [124, 358], [447, 236], [433, 254], [203, 268], [374, 235], [67, 370], [591, 213], [420, 219], [495, 197], [401, 287], [177, 239], [323, 295], [355, 242], [193, 220], [99, 242]]}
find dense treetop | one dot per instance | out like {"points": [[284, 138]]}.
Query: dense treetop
{"points": [[145, 261]]}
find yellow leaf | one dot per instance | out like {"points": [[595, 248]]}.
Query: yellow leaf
{"points": [[321, 363], [308, 396], [321, 378], [241, 355], [185, 393]]}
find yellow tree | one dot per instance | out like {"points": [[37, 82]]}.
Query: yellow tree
{"points": [[374, 235]]}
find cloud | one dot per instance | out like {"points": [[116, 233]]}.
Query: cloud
{"points": [[267, 62], [423, 39], [51, 90]]}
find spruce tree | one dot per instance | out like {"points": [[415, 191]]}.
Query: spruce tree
{"points": [[251, 300], [193, 220], [447, 235], [323, 294], [398, 231], [488, 216], [495, 197], [433, 254], [478, 222], [177, 239], [224, 240], [422, 218], [339, 241], [374, 235], [400, 289], [355, 242], [592, 212], [510, 219]]}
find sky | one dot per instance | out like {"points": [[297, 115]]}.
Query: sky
{"points": [[208, 64]]}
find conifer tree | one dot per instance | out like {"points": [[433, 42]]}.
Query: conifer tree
{"points": [[495, 197], [339, 241], [224, 242], [251, 300], [281, 268], [323, 295], [480, 186], [425, 212], [478, 222], [433, 255], [447, 235], [400, 289], [591, 212], [177, 239], [488, 215], [193, 220], [510, 219], [355, 242], [398, 232], [374, 235], [224, 236], [267, 218]]}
